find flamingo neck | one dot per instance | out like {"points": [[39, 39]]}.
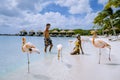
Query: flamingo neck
{"points": [[23, 43], [93, 40]]}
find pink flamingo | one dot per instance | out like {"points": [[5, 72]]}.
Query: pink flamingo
{"points": [[59, 47], [28, 48], [100, 44]]}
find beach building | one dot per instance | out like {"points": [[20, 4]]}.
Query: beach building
{"points": [[106, 32], [31, 33], [54, 33], [62, 33], [23, 33], [70, 33], [39, 33]]}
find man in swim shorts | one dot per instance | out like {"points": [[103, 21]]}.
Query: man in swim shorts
{"points": [[47, 39]]}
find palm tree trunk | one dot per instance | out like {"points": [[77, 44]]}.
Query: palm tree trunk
{"points": [[114, 32]]}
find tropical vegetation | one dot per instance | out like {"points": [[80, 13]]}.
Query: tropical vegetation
{"points": [[109, 18]]}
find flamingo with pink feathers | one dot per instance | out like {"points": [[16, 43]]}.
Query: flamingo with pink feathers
{"points": [[29, 48], [59, 48], [100, 44]]}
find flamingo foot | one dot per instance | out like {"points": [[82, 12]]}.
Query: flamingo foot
{"points": [[109, 59], [99, 62]]}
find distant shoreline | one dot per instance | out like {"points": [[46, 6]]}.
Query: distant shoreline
{"points": [[9, 35], [37, 35]]}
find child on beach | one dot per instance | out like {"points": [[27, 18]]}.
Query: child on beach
{"points": [[47, 39], [78, 46]]}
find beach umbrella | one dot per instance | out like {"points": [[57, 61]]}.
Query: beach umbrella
{"points": [[28, 48]]}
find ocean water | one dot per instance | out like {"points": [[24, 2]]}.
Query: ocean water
{"points": [[12, 57], [13, 62]]}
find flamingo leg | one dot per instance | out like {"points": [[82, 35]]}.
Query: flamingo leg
{"points": [[61, 54], [58, 54], [28, 62], [109, 54], [99, 55]]}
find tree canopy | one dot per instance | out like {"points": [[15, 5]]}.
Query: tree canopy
{"points": [[109, 17]]}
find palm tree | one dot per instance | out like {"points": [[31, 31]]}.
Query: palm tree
{"points": [[107, 24], [107, 14], [115, 3], [117, 19], [114, 17], [99, 20]]}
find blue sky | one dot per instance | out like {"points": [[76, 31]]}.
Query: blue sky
{"points": [[16, 15]]}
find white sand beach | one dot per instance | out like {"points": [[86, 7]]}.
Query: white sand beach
{"points": [[73, 67]]}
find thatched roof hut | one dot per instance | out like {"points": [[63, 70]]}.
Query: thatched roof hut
{"points": [[55, 31], [70, 33], [31, 33], [63, 31], [23, 32], [39, 33]]}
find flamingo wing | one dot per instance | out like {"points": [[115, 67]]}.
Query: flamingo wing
{"points": [[35, 50], [100, 43], [30, 45], [27, 46]]}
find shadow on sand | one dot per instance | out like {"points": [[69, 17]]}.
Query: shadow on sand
{"points": [[67, 64], [41, 77], [113, 64], [87, 54]]}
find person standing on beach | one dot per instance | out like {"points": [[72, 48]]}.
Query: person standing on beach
{"points": [[78, 46], [47, 39]]}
